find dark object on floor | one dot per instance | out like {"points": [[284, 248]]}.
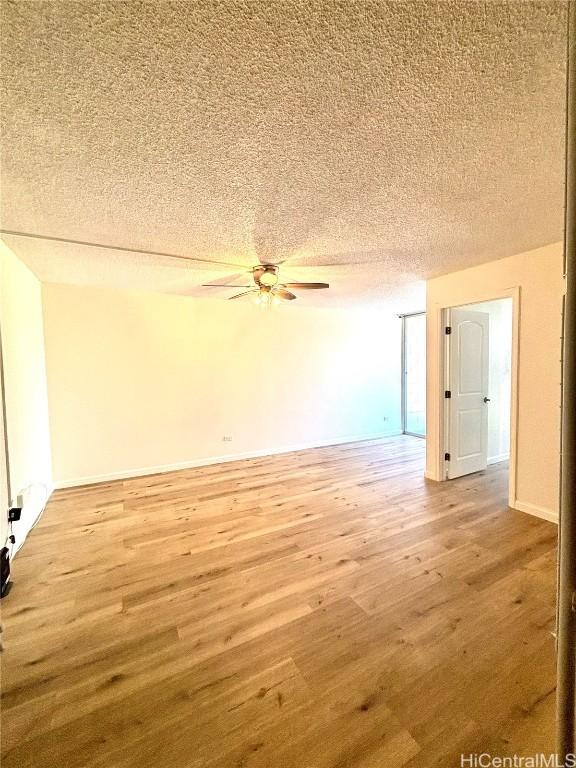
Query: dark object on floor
{"points": [[4, 571]]}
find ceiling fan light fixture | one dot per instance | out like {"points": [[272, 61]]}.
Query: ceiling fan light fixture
{"points": [[264, 298], [269, 278]]}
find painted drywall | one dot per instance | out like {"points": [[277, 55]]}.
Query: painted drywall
{"points": [[4, 491], [26, 398], [499, 375], [538, 277], [141, 382]]}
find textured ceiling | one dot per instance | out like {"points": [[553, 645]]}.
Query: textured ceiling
{"points": [[395, 140]]}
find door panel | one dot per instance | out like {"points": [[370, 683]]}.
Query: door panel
{"points": [[468, 367], [470, 337], [470, 432]]}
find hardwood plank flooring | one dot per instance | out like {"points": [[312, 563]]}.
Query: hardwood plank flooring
{"points": [[327, 608]]}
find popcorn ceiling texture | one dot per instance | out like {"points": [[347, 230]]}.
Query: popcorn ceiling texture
{"points": [[394, 140]]}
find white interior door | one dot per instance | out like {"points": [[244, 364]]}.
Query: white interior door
{"points": [[468, 368]]}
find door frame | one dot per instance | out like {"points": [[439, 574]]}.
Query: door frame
{"points": [[403, 373], [437, 315]]}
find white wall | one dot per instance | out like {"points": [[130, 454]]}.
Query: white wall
{"points": [[499, 378], [4, 495], [27, 424], [537, 277], [141, 382]]}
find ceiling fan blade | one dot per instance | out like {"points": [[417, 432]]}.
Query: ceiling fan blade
{"points": [[244, 293], [219, 281], [306, 285], [284, 294]]}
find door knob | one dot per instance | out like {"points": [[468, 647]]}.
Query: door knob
{"points": [[486, 399]]}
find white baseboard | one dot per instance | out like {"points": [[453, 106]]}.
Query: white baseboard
{"points": [[499, 458], [204, 462], [32, 511], [532, 509]]}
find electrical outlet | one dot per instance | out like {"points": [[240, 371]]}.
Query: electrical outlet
{"points": [[20, 500], [227, 438]]}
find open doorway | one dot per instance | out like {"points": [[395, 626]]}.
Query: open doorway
{"points": [[414, 374], [478, 386]]}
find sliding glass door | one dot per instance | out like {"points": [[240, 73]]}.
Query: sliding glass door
{"points": [[414, 374]]}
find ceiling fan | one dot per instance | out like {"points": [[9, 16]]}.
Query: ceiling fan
{"points": [[267, 287]]}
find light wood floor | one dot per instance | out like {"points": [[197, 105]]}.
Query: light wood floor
{"points": [[322, 609]]}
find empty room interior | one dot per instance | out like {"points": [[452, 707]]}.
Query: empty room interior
{"points": [[281, 317]]}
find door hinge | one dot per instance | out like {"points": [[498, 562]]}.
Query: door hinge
{"points": [[448, 330], [446, 457], [447, 394]]}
